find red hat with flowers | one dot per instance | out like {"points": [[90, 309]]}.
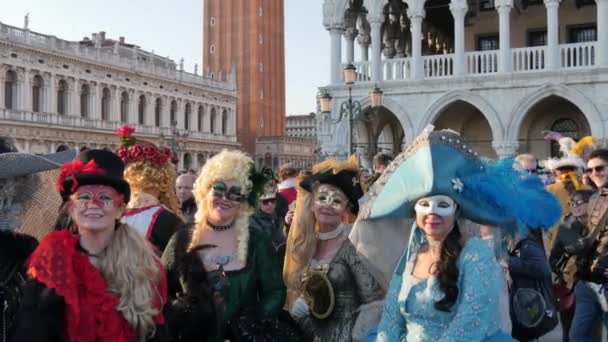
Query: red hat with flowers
{"points": [[134, 150]]}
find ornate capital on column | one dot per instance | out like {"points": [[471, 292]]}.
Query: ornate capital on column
{"points": [[552, 3], [503, 4], [505, 148], [333, 14], [365, 39], [351, 33], [416, 13], [459, 7]]}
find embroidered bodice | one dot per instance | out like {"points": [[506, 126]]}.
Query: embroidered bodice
{"points": [[409, 311]]}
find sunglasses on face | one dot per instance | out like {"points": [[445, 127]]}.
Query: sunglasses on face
{"points": [[220, 190], [269, 201], [577, 203], [598, 169]]}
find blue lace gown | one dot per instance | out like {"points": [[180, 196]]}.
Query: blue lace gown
{"points": [[409, 313]]}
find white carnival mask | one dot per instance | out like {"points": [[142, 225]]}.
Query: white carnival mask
{"points": [[439, 205]]}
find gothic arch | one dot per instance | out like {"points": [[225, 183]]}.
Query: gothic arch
{"points": [[488, 111], [397, 110], [576, 97]]}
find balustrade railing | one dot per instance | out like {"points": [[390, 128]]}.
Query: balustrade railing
{"points": [[529, 58], [80, 122], [438, 66], [364, 71], [481, 62], [397, 69], [577, 55]]}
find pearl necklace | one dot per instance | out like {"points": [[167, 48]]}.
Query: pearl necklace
{"points": [[330, 235]]}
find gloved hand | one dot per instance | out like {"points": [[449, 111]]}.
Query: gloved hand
{"points": [[300, 308]]}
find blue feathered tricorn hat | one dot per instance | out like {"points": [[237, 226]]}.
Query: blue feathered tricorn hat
{"points": [[487, 192]]}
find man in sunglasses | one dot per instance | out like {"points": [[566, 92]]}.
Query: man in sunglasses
{"points": [[266, 220], [592, 270]]}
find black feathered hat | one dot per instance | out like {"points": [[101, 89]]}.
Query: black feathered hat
{"points": [[343, 175], [93, 167]]}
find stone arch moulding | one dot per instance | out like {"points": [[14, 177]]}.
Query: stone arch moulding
{"points": [[488, 111], [400, 113], [576, 97]]}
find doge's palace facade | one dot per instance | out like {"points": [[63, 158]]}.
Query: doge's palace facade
{"points": [[57, 94]]}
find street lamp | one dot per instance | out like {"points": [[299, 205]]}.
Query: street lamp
{"points": [[175, 139], [350, 107]]}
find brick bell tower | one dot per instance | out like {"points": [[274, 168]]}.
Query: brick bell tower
{"points": [[249, 35]]}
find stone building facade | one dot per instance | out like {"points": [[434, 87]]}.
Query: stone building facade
{"points": [[498, 71], [249, 35], [272, 152], [57, 94], [302, 126]]}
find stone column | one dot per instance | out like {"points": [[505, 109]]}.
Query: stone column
{"points": [[504, 7], [350, 34], [505, 148], [166, 119], [95, 101], [150, 108], [133, 115], [25, 93], [364, 41], [194, 117], [180, 114], [375, 25], [459, 10], [115, 104], [552, 58], [416, 15], [51, 95], [2, 80], [73, 98], [602, 32], [335, 66]]}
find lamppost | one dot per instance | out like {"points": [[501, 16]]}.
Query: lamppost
{"points": [[175, 140], [350, 108]]}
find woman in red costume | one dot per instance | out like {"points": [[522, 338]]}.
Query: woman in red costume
{"points": [[99, 282]]}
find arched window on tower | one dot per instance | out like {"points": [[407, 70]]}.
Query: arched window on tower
{"points": [[200, 118], [124, 106], [187, 112], [567, 128], [157, 112], [84, 100], [212, 120], [105, 104], [10, 90], [224, 122], [37, 87], [62, 96], [141, 110]]}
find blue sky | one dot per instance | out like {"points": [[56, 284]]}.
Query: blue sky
{"points": [[175, 30]]}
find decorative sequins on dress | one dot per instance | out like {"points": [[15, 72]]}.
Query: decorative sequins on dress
{"points": [[409, 312]]}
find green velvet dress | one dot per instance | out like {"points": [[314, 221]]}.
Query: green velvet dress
{"points": [[257, 289]]}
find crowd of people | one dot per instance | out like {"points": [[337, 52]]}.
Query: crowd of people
{"points": [[435, 244]]}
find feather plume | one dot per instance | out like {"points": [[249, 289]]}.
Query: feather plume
{"points": [[579, 147], [351, 164]]}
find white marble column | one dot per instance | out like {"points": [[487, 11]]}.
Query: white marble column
{"points": [[166, 119], [552, 58], [459, 10], [150, 108], [505, 64], [2, 80], [376, 24], [335, 67], [416, 15], [350, 34], [51, 95], [602, 32], [364, 41], [115, 104], [95, 101], [25, 93], [194, 117], [133, 115], [181, 105], [207, 118], [505, 148], [73, 99]]}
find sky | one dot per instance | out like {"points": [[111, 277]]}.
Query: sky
{"points": [[174, 29]]}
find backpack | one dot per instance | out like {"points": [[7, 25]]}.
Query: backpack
{"points": [[532, 303]]}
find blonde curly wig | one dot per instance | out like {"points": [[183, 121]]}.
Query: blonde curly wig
{"points": [[143, 176], [225, 165]]}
